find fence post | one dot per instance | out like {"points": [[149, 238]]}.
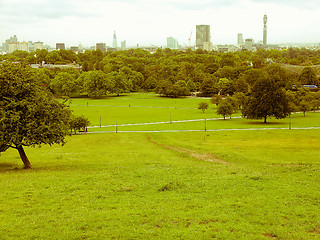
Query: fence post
{"points": [[205, 125]]}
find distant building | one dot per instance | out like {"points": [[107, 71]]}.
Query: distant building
{"points": [[225, 48], [172, 43], [249, 44], [240, 39], [74, 49], [5, 45], [101, 46], [60, 46], [114, 42], [203, 37], [124, 44], [31, 46], [13, 46], [38, 45], [23, 46]]}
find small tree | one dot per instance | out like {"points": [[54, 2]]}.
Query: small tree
{"points": [[304, 107], [216, 99], [225, 108], [79, 123], [203, 106]]}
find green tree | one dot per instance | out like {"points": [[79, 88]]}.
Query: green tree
{"points": [[95, 83], [136, 78], [79, 123], [304, 107], [267, 99], [240, 85], [203, 106], [216, 99], [41, 55], [225, 86], [29, 114], [240, 99], [64, 84], [225, 108], [121, 83], [209, 85], [229, 59], [53, 57], [308, 76]]}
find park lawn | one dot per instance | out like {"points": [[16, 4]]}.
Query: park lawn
{"points": [[203, 123], [151, 108], [122, 186], [144, 107]]}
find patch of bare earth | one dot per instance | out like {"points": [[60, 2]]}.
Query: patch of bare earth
{"points": [[207, 157], [269, 235]]}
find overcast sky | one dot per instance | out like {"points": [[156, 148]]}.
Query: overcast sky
{"points": [[148, 22]]}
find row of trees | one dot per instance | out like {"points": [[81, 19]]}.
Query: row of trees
{"points": [[167, 72], [93, 59], [265, 101]]}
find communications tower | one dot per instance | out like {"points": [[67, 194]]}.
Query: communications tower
{"points": [[265, 19]]}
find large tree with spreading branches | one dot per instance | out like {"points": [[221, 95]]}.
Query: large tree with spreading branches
{"points": [[29, 114]]}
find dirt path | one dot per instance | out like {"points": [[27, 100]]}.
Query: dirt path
{"points": [[207, 157]]}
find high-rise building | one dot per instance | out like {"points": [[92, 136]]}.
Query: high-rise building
{"points": [[249, 44], [203, 37], [114, 42], [13, 46], [23, 46], [124, 44], [265, 19], [172, 43], [60, 46], [38, 45], [240, 39], [101, 46], [5, 45]]}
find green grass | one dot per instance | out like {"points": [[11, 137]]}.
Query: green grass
{"points": [[143, 108], [122, 186], [150, 108]]}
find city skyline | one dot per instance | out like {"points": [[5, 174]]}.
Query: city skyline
{"points": [[145, 22]]}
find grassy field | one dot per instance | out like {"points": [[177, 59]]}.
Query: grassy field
{"points": [[150, 108], [243, 184]]}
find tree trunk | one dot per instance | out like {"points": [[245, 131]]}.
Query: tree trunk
{"points": [[265, 119], [24, 158]]}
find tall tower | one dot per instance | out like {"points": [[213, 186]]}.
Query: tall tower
{"points": [[240, 39], [114, 43], [265, 19], [203, 38]]}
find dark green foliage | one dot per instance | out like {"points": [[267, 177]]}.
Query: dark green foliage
{"points": [[266, 100], [64, 84], [227, 107], [203, 106], [30, 115], [79, 124], [308, 76], [95, 83]]}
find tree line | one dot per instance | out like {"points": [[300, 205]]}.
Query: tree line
{"points": [[168, 72]]}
